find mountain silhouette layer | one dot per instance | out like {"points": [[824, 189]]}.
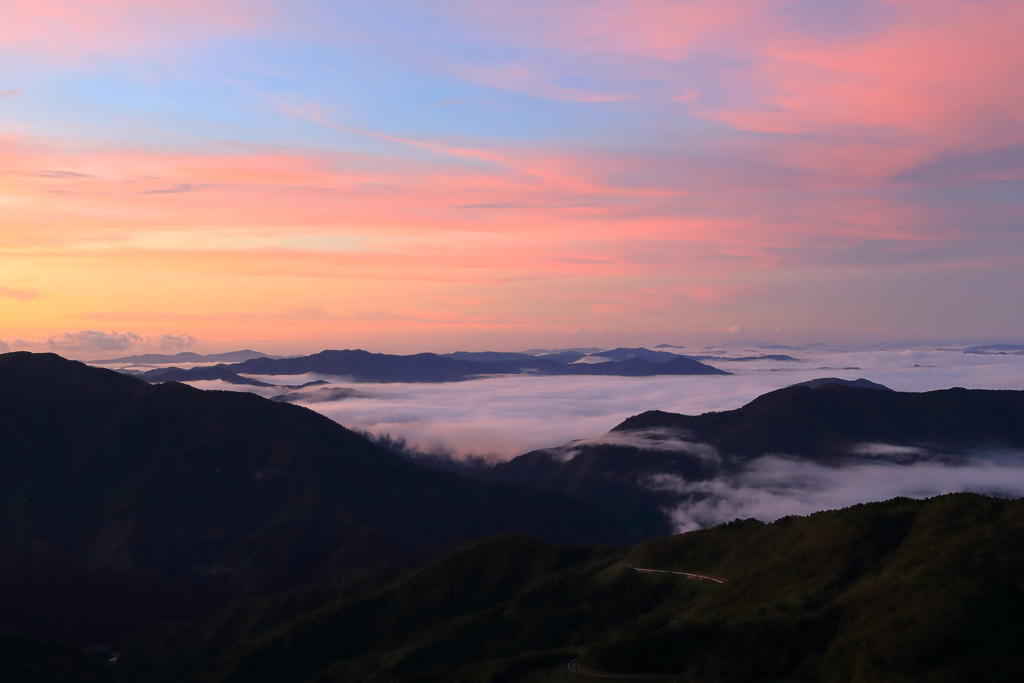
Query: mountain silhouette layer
{"points": [[363, 366], [826, 421], [186, 357], [122, 502]]}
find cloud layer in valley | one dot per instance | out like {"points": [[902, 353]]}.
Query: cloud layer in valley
{"points": [[771, 487], [502, 417]]}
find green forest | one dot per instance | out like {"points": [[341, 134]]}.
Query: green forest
{"points": [[905, 590]]}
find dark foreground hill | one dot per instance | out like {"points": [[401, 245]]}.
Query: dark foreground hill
{"points": [[825, 423], [363, 366], [122, 502], [904, 591], [29, 660]]}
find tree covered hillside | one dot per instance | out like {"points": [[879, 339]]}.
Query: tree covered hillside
{"points": [[901, 591]]}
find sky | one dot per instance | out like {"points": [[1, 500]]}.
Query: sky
{"points": [[455, 174]]}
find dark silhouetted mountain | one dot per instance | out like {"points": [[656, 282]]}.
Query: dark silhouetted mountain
{"points": [[563, 356], [862, 383], [997, 350], [611, 476], [612, 472], [364, 366], [208, 372], [186, 357], [28, 660], [122, 502], [645, 354], [379, 367], [826, 421], [640, 367], [905, 591], [777, 357], [213, 372], [487, 356], [318, 396]]}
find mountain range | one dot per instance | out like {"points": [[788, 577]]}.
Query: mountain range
{"points": [[997, 350], [363, 366]]}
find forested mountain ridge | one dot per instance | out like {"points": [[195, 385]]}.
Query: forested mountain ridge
{"points": [[905, 591]]}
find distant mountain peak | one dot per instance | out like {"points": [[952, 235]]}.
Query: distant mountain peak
{"points": [[363, 366], [860, 383]]}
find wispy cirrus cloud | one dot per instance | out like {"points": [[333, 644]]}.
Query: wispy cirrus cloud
{"points": [[22, 295], [178, 188]]}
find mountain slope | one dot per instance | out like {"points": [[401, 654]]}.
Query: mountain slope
{"points": [[27, 660], [902, 591], [826, 421], [121, 502]]}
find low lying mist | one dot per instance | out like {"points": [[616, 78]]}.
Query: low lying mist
{"points": [[775, 486], [501, 417]]}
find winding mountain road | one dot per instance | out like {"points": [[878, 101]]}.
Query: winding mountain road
{"points": [[689, 575]]}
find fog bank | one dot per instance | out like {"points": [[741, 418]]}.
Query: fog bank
{"points": [[771, 487], [502, 417]]}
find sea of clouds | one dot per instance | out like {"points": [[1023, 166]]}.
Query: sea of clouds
{"points": [[499, 418], [502, 417]]}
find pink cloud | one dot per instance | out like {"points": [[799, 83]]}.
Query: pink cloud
{"points": [[22, 295], [936, 72], [71, 29], [921, 79], [563, 211], [661, 29]]}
